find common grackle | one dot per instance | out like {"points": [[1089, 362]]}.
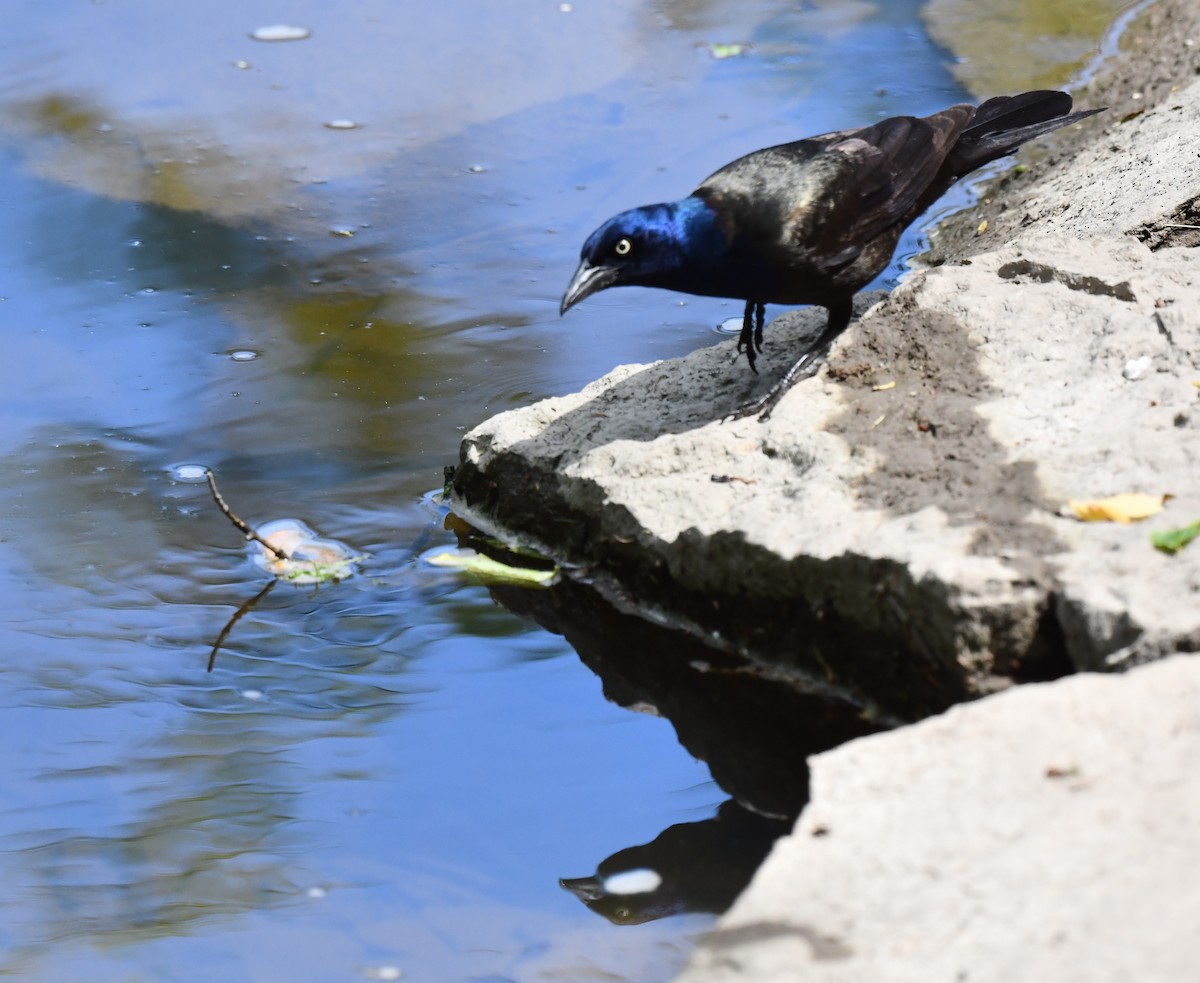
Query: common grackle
{"points": [[809, 222]]}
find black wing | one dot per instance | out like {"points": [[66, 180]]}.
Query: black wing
{"points": [[817, 202]]}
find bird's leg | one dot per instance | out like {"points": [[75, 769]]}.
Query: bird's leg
{"points": [[806, 365], [759, 314], [747, 339]]}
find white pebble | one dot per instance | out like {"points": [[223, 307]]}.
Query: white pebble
{"points": [[1135, 368]]}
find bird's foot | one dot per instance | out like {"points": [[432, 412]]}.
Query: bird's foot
{"points": [[805, 366], [808, 365]]}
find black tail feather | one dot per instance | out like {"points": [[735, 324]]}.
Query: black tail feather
{"points": [[1014, 112], [1002, 124]]}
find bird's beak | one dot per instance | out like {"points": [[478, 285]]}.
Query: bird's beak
{"points": [[586, 281]]}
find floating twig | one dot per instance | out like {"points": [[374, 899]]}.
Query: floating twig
{"points": [[249, 533], [237, 615]]}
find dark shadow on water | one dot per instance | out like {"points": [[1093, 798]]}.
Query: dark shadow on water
{"points": [[754, 732], [691, 867]]}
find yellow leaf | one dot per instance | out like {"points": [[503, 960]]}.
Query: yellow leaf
{"points": [[884, 387], [982, 227], [1125, 508]]}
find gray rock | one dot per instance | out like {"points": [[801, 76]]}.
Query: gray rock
{"points": [[1045, 833], [897, 531]]}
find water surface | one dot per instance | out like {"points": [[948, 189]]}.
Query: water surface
{"points": [[391, 773]]}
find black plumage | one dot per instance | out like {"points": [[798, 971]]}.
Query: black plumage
{"points": [[809, 222]]}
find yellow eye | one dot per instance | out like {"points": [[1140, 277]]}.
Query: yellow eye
{"points": [[622, 247]]}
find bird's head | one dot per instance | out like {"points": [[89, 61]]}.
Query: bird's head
{"points": [[651, 246]]}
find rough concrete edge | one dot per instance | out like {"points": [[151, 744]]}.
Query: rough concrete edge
{"points": [[862, 591], [1004, 625]]}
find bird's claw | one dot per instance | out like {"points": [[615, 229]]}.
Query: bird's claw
{"points": [[761, 406], [751, 339], [809, 364], [746, 344]]}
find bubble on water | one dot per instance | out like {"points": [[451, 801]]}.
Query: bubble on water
{"points": [[341, 124], [280, 32], [252, 694], [243, 65], [731, 325], [316, 892], [383, 972], [243, 354], [476, 169], [190, 473]]}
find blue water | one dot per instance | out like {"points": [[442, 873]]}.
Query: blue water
{"points": [[390, 772]]}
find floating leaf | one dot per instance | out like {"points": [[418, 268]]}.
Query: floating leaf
{"points": [[309, 560], [1124, 508], [492, 571], [1173, 540]]}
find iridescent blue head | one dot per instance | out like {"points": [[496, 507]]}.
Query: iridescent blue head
{"points": [[667, 245]]}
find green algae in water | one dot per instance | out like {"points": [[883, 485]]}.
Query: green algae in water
{"points": [[1013, 45]]}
